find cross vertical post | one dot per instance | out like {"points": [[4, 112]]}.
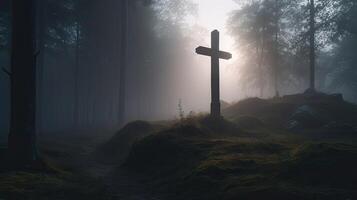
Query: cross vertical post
{"points": [[215, 104]]}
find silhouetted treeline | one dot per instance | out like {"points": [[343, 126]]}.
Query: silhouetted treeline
{"points": [[87, 74], [81, 48], [278, 36]]}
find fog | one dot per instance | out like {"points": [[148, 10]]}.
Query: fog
{"points": [[82, 50]]}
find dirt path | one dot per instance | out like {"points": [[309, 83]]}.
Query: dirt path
{"points": [[120, 183]]}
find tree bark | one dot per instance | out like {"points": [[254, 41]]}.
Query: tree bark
{"points": [[312, 45], [22, 137]]}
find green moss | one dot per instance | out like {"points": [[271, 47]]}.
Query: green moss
{"points": [[196, 161], [32, 185], [329, 164]]}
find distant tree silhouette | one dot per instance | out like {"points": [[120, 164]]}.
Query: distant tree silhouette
{"points": [[256, 28], [123, 59]]}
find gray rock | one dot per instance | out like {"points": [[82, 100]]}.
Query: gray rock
{"points": [[336, 97], [305, 117]]}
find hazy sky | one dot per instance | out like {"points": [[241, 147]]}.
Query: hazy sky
{"points": [[213, 14]]}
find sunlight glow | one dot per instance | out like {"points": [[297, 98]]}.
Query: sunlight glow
{"points": [[214, 14]]}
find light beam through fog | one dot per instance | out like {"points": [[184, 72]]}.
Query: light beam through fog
{"points": [[211, 15]]}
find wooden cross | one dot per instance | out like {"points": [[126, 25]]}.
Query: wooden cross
{"points": [[215, 55]]}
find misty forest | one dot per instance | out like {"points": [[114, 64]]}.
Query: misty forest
{"points": [[178, 99]]}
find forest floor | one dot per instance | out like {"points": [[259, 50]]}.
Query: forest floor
{"points": [[295, 147], [72, 174]]}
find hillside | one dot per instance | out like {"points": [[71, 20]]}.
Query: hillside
{"points": [[307, 111], [297, 147], [255, 152]]}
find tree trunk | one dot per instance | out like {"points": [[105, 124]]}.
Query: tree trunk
{"points": [[22, 137], [123, 60], [312, 45], [261, 73], [76, 77], [42, 24], [276, 51], [276, 64]]}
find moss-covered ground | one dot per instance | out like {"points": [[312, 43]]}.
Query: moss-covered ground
{"points": [[248, 154], [61, 177]]}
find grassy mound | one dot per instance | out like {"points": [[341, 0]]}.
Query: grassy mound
{"points": [[327, 164], [178, 146], [249, 154], [275, 112], [118, 147], [209, 159]]}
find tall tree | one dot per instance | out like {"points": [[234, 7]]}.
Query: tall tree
{"points": [[22, 137], [41, 36], [275, 60], [256, 29], [312, 45], [76, 67], [343, 67], [314, 28]]}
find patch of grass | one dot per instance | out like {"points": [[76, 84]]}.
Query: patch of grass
{"points": [[37, 186], [329, 164], [56, 176], [166, 151]]}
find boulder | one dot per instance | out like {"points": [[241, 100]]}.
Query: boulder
{"points": [[336, 97], [307, 117]]}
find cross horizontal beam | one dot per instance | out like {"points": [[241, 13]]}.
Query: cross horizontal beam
{"points": [[208, 52]]}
